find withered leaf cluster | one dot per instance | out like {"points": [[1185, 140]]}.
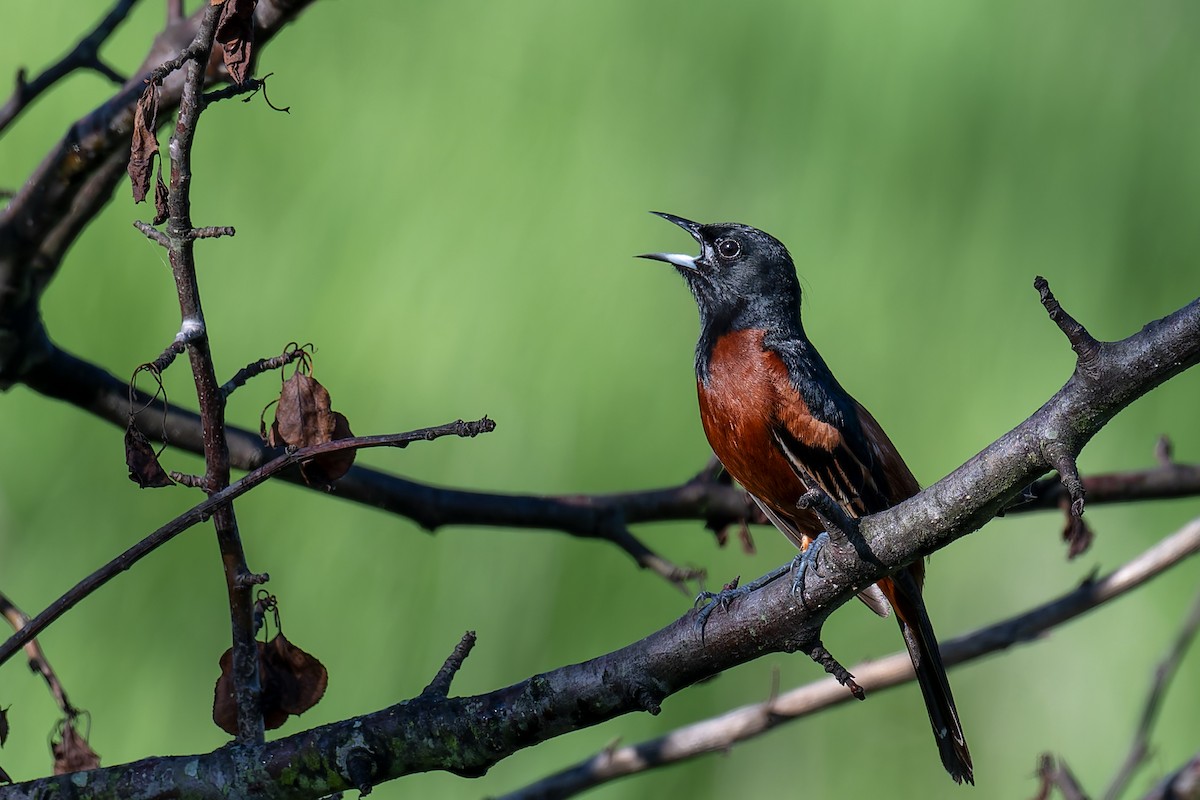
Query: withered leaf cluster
{"points": [[304, 417], [235, 34], [292, 682]]}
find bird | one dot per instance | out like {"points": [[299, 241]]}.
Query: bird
{"points": [[782, 425]]}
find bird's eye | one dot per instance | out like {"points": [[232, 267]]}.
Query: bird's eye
{"points": [[728, 248]]}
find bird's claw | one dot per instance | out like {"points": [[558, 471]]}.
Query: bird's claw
{"points": [[805, 561], [722, 599]]}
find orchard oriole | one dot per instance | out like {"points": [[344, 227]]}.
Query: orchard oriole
{"points": [[781, 425]]}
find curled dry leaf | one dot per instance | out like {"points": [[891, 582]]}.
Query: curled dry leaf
{"points": [[144, 146], [235, 34], [292, 682], [161, 211], [71, 750], [144, 469], [303, 417]]}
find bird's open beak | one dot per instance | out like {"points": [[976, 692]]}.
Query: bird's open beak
{"points": [[678, 259]]}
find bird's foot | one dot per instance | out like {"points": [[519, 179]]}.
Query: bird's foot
{"points": [[805, 561], [724, 598]]}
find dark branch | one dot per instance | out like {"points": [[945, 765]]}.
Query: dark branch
{"points": [[1082, 343], [253, 370], [603, 517]]}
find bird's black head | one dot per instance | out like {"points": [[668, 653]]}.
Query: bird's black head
{"points": [[743, 277]]}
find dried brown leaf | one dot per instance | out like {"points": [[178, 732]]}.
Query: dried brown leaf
{"points": [[303, 417], [297, 679], [291, 680], [161, 212], [224, 704], [72, 753], [235, 34], [328, 467], [144, 146], [142, 461]]}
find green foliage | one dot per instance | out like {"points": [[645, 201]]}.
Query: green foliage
{"points": [[449, 212]]}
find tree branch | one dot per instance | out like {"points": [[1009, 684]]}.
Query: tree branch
{"points": [[723, 732]]}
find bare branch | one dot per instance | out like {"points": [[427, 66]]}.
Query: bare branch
{"points": [[440, 685], [1082, 343], [37, 658], [1055, 774]]}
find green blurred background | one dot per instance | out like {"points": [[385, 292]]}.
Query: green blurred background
{"points": [[449, 212]]}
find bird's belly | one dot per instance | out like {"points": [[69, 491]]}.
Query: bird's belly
{"points": [[736, 422]]}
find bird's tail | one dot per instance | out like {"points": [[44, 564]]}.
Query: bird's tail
{"points": [[904, 593]]}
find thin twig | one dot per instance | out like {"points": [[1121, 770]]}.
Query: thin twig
{"points": [[1163, 674], [256, 368], [440, 685], [202, 511], [1083, 343], [37, 657], [1055, 774], [181, 252]]}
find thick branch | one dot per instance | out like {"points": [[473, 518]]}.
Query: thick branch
{"points": [[720, 733]]}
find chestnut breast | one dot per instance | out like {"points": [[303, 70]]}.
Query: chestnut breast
{"points": [[740, 407]]}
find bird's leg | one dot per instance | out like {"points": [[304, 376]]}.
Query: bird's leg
{"points": [[806, 560], [722, 599]]}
